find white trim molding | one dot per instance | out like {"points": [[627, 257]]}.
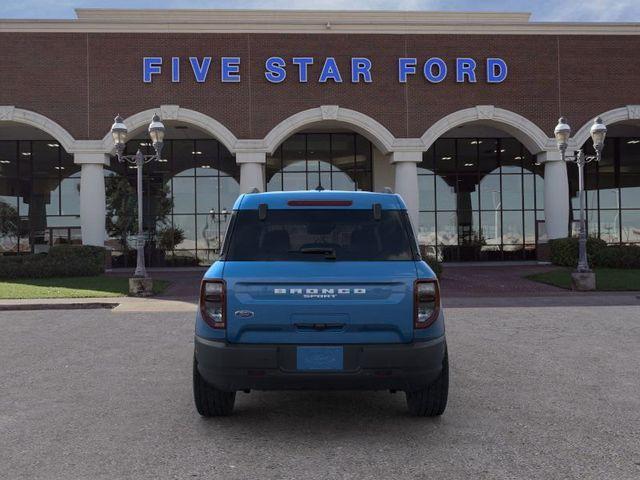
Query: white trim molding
{"points": [[179, 114], [629, 112], [529, 134], [309, 21], [10, 113], [373, 130]]}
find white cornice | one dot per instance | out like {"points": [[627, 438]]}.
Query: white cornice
{"points": [[297, 21], [295, 16]]}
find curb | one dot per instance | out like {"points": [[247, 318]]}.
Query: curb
{"points": [[57, 306]]}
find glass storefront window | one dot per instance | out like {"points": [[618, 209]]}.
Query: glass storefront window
{"points": [[612, 191], [445, 156], [39, 195], [630, 224], [630, 191], [485, 204], [512, 192], [610, 226], [201, 180], [426, 186], [333, 161]]}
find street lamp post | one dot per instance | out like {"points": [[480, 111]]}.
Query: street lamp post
{"points": [[598, 133], [119, 133]]}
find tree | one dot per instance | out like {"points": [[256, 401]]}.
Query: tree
{"points": [[9, 221], [122, 209]]}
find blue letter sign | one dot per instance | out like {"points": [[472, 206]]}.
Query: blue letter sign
{"points": [[230, 69], [200, 71], [428, 70], [465, 67], [434, 69], [275, 69], [406, 66], [303, 66], [330, 71], [496, 70], [151, 66], [175, 69], [360, 67]]}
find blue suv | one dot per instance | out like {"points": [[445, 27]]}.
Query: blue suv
{"points": [[320, 290]]}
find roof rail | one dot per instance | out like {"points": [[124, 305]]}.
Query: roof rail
{"points": [[254, 190], [387, 190]]}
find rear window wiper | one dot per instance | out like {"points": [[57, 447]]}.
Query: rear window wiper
{"points": [[329, 253]]}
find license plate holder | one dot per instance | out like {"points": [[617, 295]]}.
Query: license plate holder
{"points": [[319, 358]]}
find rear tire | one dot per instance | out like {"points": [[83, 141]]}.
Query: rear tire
{"points": [[432, 400], [210, 402]]}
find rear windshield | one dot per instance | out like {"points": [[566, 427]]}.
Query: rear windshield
{"points": [[318, 234]]}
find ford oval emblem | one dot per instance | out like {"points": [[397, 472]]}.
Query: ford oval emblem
{"points": [[243, 313]]}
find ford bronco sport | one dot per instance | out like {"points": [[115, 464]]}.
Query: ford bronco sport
{"points": [[320, 290]]}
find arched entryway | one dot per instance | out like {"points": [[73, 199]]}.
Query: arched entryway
{"points": [[39, 184], [613, 185], [482, 187], [481, 196], [317, 158], [188, 197], [329, 147]]}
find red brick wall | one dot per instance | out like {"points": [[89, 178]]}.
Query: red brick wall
{"points": [[82, 80]]}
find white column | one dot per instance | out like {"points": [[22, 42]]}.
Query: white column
{"points": [[556, 194], [92, 197], [251, 170], [406, 181]]}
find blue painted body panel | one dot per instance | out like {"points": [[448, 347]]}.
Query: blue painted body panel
{"points": [[361, 302], [360, 200], [282, 302]]}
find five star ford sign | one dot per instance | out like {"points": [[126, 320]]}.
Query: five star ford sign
{"points": [[361, 69]]}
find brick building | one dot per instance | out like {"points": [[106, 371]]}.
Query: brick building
{"points": [[454, 111]]}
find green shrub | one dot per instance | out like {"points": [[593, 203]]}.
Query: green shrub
{"points": [[617, 256], [169, 238], [564, 251], [181, 261], [61, 261]]}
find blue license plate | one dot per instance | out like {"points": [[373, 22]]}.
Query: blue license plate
{"points": [[320, 358]]}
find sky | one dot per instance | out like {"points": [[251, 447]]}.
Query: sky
{"points": [[542, 10]]}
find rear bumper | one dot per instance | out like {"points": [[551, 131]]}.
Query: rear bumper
{"points": [[232, 367]]}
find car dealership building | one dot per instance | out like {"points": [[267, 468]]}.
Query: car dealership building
{"points": [[454, 111]]}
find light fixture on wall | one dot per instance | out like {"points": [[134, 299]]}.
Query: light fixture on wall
{"points": [[119, 133], [562, 133]]}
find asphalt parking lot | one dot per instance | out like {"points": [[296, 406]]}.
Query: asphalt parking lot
{"points": [[550, 392]]}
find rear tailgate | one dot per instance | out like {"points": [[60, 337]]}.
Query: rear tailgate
{"points": [[320, 302]]}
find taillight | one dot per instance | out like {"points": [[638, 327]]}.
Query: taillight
{"points": [[426, 303], [212, 303]]}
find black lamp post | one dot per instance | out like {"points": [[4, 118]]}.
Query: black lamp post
{"points": [[156, 132], [598, 133]]}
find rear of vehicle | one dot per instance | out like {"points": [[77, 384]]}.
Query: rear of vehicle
{"points": [[320, 290]]}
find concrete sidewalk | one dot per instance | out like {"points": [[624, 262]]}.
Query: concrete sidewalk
{"points": [[118, 304]]}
